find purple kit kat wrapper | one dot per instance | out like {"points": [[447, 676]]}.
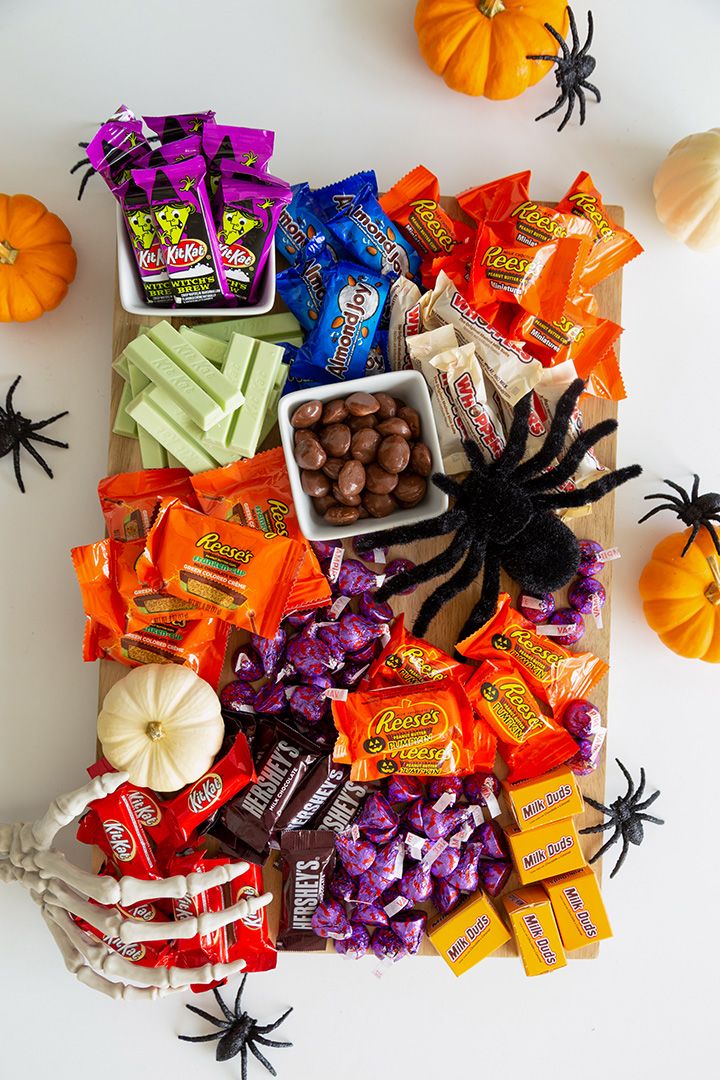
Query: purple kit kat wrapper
{"points": [[307, 858], [251, 147], [246, 215], [170, 128], [145, 243], [172, 152], [181, 209], [118, 147]]}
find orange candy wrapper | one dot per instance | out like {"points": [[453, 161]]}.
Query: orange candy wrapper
{"points": [[407, 660], [413, 203], [553, 673], [129, 500], [539, 277], [112, 592], [530, 743], [494, 201], [613, 246], [233, 572], [256, 493], [578, 336], [426, 730]]}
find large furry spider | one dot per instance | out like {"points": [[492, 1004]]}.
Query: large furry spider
{"points": [[17, 431], [504, 517], [238, 1033], [573, 69], [625, 816], [697, 510]]}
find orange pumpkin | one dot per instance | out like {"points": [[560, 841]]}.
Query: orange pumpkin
{"points": [[37, 261], [681, 595], [480, 47]]}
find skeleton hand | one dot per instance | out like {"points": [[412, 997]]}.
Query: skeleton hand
{"points": [[62, 890]]}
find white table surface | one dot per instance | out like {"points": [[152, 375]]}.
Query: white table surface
{"points": [[344, 88]]}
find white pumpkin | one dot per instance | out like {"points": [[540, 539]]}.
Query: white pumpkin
{"points": [[162, 725], [687, 190]]}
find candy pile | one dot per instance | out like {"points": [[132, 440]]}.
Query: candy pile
{"points": [[194, 399], [144, 836], [170, 581], [200, 210], [360, 456], [411, 844]]}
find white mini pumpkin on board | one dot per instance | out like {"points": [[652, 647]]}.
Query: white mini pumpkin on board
{"points": [[161, 724], [687, 190]]}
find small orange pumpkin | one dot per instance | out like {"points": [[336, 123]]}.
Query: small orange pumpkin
{"points": [[37, 260], [681, 595], [480, 47]]}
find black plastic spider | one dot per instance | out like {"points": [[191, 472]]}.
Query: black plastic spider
{"points": [[573, 69], [90, 170], [16, 431], [697, 510], [504, 517], [625, 815], [238, 1033]]}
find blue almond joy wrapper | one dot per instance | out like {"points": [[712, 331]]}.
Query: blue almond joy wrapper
{"points": [[339, 346], [365, 230], [302, 286], [299, 222], [332, 198]]}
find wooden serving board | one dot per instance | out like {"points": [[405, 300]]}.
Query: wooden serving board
{"points": [[124, 456]]}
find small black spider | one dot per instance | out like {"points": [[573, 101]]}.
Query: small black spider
{"points": [[625, 816], [697, 510], [238, 1033], [573, 69], [91, 170], [17, 431], [504, 516]]}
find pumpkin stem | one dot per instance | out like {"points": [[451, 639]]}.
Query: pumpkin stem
{"points": [[8, 254], [489, 8], [713, 590], [154, 730]]}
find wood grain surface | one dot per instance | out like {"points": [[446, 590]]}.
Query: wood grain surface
{"points": [[124, 456]]}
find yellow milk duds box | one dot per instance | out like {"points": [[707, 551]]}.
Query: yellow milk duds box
{"points": [[535, 930], [468, 934], [547, 851], [578, 907], [550, 797]]}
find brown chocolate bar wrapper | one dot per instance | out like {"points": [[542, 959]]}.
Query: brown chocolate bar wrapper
{"points": [[254, 814], [307, 858], [339, 814], [320, 786]]}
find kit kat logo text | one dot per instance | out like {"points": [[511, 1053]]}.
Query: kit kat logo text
{"points": [[186, 253], [145, 809], [206, 793], [212, 543], [133, 951], [121, 842]]}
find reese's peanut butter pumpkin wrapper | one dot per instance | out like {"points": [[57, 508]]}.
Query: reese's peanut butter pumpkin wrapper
{"points": [[426, 730], [129, 500], [237, 574], [407, 660], [256, 493], [555, 674], [529, 742]]}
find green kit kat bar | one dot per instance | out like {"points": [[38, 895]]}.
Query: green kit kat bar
{"points": [[196, 367]]}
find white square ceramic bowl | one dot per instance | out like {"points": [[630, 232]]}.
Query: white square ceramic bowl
{"points": [[412, 388], [133, 300]]}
